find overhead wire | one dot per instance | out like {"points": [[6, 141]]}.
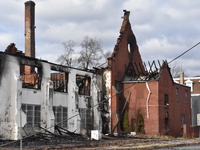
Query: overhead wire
{"points": [[106, 98], [184, 52]]}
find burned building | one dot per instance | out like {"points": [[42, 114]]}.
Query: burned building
{"points": [[37, 94], [146, 93], [51, 95]]}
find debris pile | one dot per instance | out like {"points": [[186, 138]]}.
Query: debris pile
{"points": [[46, 138]]}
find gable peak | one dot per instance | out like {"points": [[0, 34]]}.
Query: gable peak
{"points": [[126, 14]]}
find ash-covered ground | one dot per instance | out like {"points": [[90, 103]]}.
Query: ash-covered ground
{"points": [[42, 141]]}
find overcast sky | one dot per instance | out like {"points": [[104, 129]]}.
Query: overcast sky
{"points": [[163, 28]]}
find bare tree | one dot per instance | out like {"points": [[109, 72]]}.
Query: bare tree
{"points": [[107, 54], [91, 53], [176, 68], [66, 58]]}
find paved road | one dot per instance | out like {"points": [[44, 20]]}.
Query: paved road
{"points": [[156, 145], [194, 147]]}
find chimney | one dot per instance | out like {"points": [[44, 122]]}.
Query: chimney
{"points": [[181, 77], [30, 29]]}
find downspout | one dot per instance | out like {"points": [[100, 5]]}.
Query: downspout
{"points": [[148, 97]]}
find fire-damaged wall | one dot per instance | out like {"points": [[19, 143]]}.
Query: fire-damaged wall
{"points": [[144, 99], [52, 95], [39, 95]]}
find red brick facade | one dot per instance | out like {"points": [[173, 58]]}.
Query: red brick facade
{"points": [[163, 104]]}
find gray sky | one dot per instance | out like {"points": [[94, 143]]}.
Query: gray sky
{"points": [[163, 28]]}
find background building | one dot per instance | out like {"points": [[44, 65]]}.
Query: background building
{"points": [[194, 84]]}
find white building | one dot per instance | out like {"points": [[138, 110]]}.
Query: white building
{"points": [[50, 95]]}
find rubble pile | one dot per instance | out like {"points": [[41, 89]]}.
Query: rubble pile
{"points": [[46, 139]]}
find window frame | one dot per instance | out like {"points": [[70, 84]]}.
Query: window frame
{"points": [[186, 96], [63, 121], [83, 83], [183, 120], [166, 100], [60, 81], [31, 79], [86, 118], [32, 117]]}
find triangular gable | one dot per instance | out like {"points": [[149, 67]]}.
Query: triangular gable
{"points": [[126, 52], [165, 69]]}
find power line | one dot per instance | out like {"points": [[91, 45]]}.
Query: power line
{"points": [[184, 52]]}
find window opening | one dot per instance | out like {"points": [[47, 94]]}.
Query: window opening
{"points": [[33, 115], [182, 120], [186, 96], [166, 99], [118, 86], [129, 48], [166, 123], [176, 94], [86, 119], [83, 83], [61, 115], [31, 76], [60, 81]]}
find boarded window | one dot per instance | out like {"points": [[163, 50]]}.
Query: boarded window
{"points": [[61, 116], [83, 83], [86, 119], [31, 76], [33, 114], [60, 81]]}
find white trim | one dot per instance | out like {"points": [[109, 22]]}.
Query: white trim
{"points": [[187, 78], [195, 94], [148, 97]]}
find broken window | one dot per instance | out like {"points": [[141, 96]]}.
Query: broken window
{"points": [[33, 115], [61, 116], [86, 119], [83, 83], [166, 100], [31, 76], [60, 81]]}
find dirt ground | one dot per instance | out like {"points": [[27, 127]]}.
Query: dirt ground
{"points": [[73, 142]]}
